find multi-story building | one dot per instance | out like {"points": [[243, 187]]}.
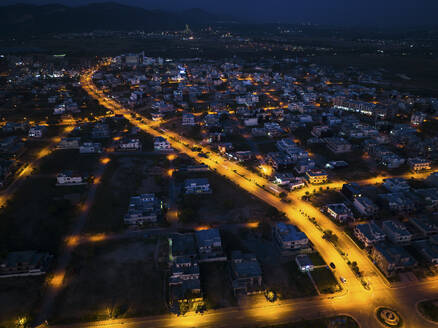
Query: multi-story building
{"points": [[419, 164], [197, 186], [69, 178], [142, 209], [246, 273], [289, 237], [396, 232], [129, 144], [209, 245], [340, 212], [24, 263], [392, 258], [369, 233], [161, 144], [365, 206], [317, 176]]}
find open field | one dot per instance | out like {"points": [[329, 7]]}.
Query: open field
{"points": [[19, 298], [112, 279]]}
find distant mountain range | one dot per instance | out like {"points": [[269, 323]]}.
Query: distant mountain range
{"points": [[28, 20]]}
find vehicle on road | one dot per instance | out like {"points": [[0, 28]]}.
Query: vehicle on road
{"points": [[343, 280], [332, 265]]}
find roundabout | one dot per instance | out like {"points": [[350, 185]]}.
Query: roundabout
{"points": [[388, 317]]}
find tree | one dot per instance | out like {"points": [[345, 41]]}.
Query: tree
{"points": [[330, 236], [283, 194]]}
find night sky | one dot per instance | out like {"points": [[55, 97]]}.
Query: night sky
{"points": [[338, 12]]}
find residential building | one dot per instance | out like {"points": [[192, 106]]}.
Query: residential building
{"points": [[188, 119], [304, 263], [369, 233], [289, 237], [246, 274], [340, 212], [128, 144], [90, 148], [396, 232], [69, 143], [100, 131], [396, 184], [142, 209], [424, 225], [24, 263], [197, 186], [209, 245], [392, 258], [338, 145], [365, 206], [37, 131], [184, 281], [419, 164], [69, 178], [317, 176], [351, 190], [161, 144]]}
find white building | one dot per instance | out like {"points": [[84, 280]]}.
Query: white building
{"points": [[90, 148], [161, 144], [69, 178]]}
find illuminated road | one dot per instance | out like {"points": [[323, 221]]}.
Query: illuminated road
{"points": [[356, 300], [56, 281]]}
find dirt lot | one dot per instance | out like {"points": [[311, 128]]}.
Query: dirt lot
{"points": [[18, 298], [216, 285], [226, 204], [325, 280], [112, 279], [126, 176], [36, 217]]}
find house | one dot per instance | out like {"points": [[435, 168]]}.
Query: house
{"points": [[425, 226], [142, 209], [68, 178], [429, 196], [184, 281], [90, 148], [100, 131], [161, 144], [37, 131], [197, 186], [428, 250], [392, 258], [284, 178], [304, 263], [398, 201], [209, 245], [129, 144], [369, 233], [246, 274], [365, 206], [419, 164], [396, 184], [289, 237], [182, 245], [351, 190], [396, 232], [317, 176], [188, 119], [24, 263], [338, 145], [340, 212], [69, 143], [297, 183]]}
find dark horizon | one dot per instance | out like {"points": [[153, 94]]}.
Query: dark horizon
{"points": [[372, 13]]}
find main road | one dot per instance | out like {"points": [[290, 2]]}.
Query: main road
{"points": [[358, 301]]}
